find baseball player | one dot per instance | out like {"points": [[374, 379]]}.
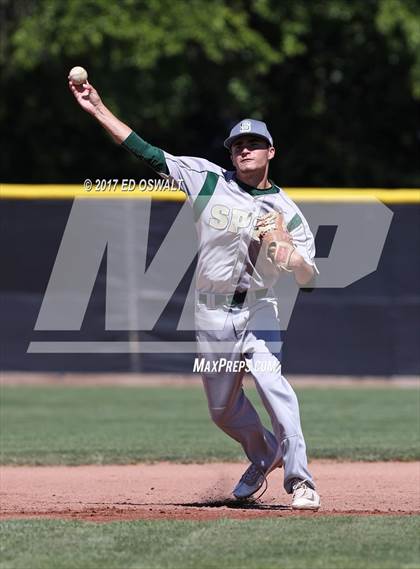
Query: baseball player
{"points": [[249, 233]]}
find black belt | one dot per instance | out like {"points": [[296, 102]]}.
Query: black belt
{"points": [[235, 299]]}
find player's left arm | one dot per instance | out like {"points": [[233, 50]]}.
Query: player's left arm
{"points": [[303, 271], [302, 260]]}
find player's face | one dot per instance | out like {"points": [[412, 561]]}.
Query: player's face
{"points": [[251, 153]]}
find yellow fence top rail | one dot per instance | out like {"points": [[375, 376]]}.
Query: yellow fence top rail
{"points": [[66, 192]]}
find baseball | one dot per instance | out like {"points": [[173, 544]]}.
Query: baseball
{"points": [[78, 75]]}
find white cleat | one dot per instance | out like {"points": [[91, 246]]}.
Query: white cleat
{"points": [[250, 482], [304, 497]]}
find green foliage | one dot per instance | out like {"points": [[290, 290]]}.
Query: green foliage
{"points": [[70, 425], [338, 81], [368, 542], [140, 33], [399, 21]]}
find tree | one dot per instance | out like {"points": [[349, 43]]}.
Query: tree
{"points": [[338, 82]]}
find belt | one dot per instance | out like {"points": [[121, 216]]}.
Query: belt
{"points": [[213, 300]]}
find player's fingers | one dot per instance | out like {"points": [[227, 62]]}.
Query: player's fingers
{"points": [[81, 88], [87, 85], [281, 255], [88, 89], [72, 88]]}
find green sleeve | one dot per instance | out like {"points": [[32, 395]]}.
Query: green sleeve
{"points": [[152, 155]]}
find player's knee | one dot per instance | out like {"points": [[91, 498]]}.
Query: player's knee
{"points": [[220, 416], [227, 419]]}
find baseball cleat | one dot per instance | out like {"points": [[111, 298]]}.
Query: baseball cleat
{"points": [[305, 497], [250, 482]]}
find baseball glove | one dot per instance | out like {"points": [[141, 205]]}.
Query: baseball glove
{"points": [[276, 242]]}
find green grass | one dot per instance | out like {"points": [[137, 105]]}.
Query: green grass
{"points": [[293, 543], [82, 425]]}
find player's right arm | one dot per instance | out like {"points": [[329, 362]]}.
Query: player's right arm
{"points": [[87, 97], [189, 173]]}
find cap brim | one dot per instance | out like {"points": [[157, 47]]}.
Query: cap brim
{"points": [[229, 141]]}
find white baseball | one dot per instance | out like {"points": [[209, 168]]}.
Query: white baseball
{"points": [[78, 75]]}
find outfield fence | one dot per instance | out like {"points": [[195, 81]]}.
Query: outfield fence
{"points": [[368, 328]]}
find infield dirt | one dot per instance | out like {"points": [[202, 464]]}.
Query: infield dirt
{"points": [[199, 491]]}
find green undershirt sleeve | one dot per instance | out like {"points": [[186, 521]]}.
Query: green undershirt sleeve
{"points": [[152, 155]]}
